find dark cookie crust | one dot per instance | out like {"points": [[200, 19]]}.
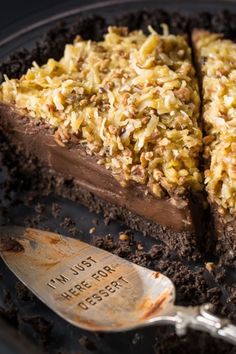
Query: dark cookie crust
{"points": [[226, 238], [185, 244], [222, 22]]}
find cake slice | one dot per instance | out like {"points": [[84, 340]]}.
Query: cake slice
{"points": [[216, 58], [120, 117]]}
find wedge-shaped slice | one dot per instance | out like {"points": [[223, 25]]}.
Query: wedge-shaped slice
{"points": [[124, 114], [216, 57]]}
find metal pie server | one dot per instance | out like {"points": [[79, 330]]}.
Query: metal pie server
{"points": [[96, 290]]}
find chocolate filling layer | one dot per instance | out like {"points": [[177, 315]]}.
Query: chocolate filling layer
{"points": [[74, 162]]}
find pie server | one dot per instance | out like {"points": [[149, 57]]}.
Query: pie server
{"points": [[96, 290]]}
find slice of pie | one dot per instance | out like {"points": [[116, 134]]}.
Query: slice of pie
{"points": [[216, 58], [120, 117]]}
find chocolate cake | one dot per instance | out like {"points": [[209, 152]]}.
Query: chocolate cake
{"points": [[119, 117]]}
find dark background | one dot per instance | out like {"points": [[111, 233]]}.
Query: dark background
{"points": [[15, 10]]}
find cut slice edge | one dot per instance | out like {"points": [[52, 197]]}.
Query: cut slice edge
{"points": [[213, 56], [174, 219]]}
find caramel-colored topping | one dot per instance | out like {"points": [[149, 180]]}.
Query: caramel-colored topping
{"points": [[218, 66], [132, 100]]}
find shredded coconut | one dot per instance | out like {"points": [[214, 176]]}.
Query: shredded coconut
{"points": [[132, 100], [218, 65]]}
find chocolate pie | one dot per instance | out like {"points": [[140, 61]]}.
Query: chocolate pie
{"points": [[124, 119]]}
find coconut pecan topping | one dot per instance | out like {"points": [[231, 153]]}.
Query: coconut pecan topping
{"points": [[132, 100]]}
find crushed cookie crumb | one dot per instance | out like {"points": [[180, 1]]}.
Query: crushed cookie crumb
{"points": [[8, 244], [56, 210], [123, 236]]}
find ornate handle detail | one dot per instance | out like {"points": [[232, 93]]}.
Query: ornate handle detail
{"points": [[201, 318]]}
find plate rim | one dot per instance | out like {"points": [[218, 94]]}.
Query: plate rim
{"points": [[90, 5]]}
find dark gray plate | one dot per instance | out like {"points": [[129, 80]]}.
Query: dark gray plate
{"points": [[64, 338]]}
